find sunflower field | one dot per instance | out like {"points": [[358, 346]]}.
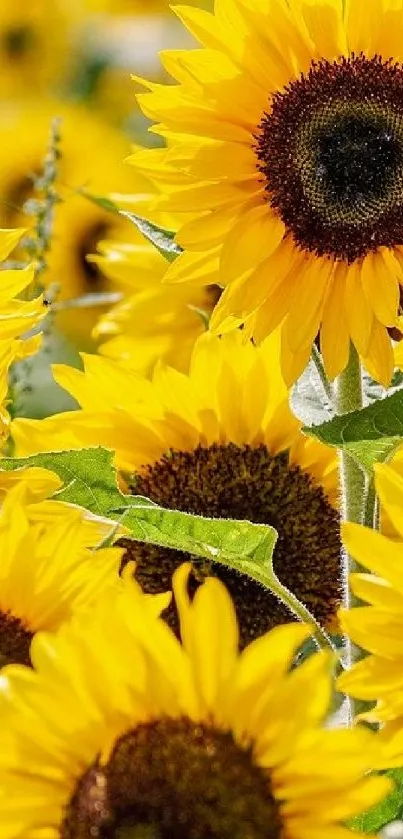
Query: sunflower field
{"points": [[201, 419]]}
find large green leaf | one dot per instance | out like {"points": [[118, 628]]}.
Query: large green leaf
{"points": [[382, 419], [388, 810], [370, 435], [231, 542], [90, 481]]}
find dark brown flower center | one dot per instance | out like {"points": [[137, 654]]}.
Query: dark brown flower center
{"points": [[15, 640], [93, 277], [331, 152], [17, 41], [186, 780], [245, 482]]}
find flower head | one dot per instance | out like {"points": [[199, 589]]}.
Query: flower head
{"points": [[220, 442], [34, 46], [285, 142], [175, 736]]}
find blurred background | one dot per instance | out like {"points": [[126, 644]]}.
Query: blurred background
{"points": [[73, 59]]}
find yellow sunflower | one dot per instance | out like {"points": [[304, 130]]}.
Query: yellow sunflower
{"points": [[286, 135], [221, 442], [156, 321], [378, 627], [34, 45], [91, 154], [46, 573], [188, 738]]}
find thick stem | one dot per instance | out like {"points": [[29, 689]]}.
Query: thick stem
{"points": [[349, 398], [269, 580]]}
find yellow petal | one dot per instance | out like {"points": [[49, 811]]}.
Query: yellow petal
{"points": [[8, 241], [378, 360], [334, 333], [358, 310], [379, 273], [374, 551]]}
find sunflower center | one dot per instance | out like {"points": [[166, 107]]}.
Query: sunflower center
{"points": [[331, 152], [245, 482], [185, 779], [15, 640], [94, 279], [17, 41], [358, 158]]}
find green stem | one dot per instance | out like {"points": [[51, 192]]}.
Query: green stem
{"points": [[349, 398], [269, 580], [327, 387]]}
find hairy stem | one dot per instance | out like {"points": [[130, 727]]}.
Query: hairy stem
{"points": [[349, 398], [269, 580], [353, 494]]}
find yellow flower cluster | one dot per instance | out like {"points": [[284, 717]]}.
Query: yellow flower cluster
{"points": [[159, 679]]}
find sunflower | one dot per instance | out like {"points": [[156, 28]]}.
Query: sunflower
{"points": [[90, 155], [34, 45], [188, 739], [46, 573], [218, 442], [156, 321], [377, 627], [286, 135]]}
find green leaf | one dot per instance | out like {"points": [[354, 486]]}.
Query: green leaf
{"points": [[163, 240], [370, 435], [231, 542], [386, 811], [90, 481], [367, 453], [382, 419]]}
